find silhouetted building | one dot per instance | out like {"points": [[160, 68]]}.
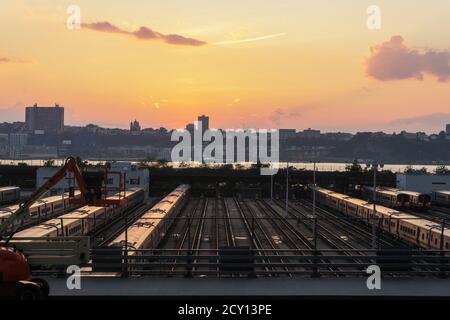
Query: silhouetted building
{"points": [[135, 126], [44, 119], [287, 133], [190, 127], [205, 122], [18, 139], [447, 129], [309, 133]]}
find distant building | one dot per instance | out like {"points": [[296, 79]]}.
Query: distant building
{"points": [[205, 122], [407, 135], [17, 142], [135, 127], [190, 127], [339, 136], [18, 139], [447, 129], [309, 133], [44, 119], [425, 183], [285, 134]]}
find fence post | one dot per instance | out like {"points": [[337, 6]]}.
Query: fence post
{"points": [[125, 266], [443, 269], [315, 273], [189, 258]]}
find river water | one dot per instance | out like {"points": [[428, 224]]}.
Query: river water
{"points": [[320, 166]]}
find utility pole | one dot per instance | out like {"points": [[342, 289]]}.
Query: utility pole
{"points": [[314, 208], [374, 216], [287, 188], [271, 187]]}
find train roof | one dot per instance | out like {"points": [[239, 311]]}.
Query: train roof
{"points": [[38, 231], [8, 188], [44, 228], [446, 192], [387, 190], [408, 192], [395, 214], [140, 230]]}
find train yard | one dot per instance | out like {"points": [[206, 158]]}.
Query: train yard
{"points": [[197, 236]]}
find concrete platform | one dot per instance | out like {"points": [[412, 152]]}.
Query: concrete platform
{"points": [[179, 287]]}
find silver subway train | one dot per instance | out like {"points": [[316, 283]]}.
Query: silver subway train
{"points": [[83, 220], [418, 231], [9, 195], [42, 209], [397, 198], [152, 226], [441, 197]]}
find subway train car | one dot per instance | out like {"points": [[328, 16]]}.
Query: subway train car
{"points": [[81, 221], [42, 209], [9, 195], [415, 230], [152, 226], [441, 198], [388, 197], [416, 199]]}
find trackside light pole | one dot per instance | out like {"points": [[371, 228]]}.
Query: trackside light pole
{"points": [[271, 186], [314, 209], [374, 213], [287, 189]]}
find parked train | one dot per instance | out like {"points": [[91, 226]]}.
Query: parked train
{"points": [[152, 226], [386, 197], [83, 220], [422, 232], [9, 195], [441, 197], [396, 198], [43, 209]]}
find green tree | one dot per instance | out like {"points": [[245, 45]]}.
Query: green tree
{"points": [[354, 167], [49, 163], [442, 169]]}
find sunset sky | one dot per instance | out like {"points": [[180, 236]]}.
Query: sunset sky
{"points": [[245, 63]]}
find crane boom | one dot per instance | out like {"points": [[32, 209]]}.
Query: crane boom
{"points": [[70, 165]]}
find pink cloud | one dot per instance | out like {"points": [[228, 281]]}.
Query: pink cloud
{"points": [[144, 33], [393, 60]]}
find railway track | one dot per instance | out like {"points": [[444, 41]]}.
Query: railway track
{"points": [[361, 232], [113, 227]]}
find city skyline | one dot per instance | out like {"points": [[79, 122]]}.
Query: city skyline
{"points": [[135, 126], [286, 65]]}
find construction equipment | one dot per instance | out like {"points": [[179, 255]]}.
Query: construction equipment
{"points": [[15, 273]]}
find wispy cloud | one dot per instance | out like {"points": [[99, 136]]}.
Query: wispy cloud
{"points": [[144, 33], [9, 60], [230, 42], [393, 60], [279, 115]]}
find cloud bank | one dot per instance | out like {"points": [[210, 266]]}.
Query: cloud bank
{"points": [[393, 60], [144, 33]]}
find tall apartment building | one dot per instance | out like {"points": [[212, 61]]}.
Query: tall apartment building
{"points": [[44, 119]]}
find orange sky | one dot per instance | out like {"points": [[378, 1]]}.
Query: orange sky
{"points": [[275, 63]]}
